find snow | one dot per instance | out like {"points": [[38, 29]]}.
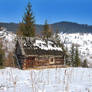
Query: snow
{"points": [[46, 80], [8, 39], [43, 45], [83, 40]]}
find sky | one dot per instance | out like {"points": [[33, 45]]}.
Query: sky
{"points": [[79, 11]]}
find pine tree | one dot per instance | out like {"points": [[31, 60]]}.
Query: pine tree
{"points": [[21, 29], [67, 62], [1, 55], [56, 34], [72, 55], [50, 32], [77, 59], [27, 27], [47, 32], [85, 63]]}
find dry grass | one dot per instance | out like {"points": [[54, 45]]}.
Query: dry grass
{"points": [[47, 67]]}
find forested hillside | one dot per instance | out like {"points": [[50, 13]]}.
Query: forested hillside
{"points": [[67, 27]]}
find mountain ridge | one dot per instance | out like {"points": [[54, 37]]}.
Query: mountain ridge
{"points": [[64, 26]]}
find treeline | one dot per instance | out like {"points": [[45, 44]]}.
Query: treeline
{"points": [[72, 57]]}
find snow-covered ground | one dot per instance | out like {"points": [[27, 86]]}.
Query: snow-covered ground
{"points": [[46, 80], [84, 41], [8, 40]]}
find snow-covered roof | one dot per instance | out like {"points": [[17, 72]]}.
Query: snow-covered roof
{"points": [[38, 46]]}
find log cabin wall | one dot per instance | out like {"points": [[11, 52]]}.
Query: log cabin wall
{"points": [[59, 60], [32, 62]]}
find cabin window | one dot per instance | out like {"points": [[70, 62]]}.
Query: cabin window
{"points": [[52, 60]]}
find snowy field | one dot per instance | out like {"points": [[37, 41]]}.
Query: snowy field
{"points": [[47, 80]]}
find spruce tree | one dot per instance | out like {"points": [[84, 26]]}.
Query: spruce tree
{"points": [[85, 63], [67, 62], [72, 55], [77, 59], [27, 27], [50, 32], [1, 55], [47, 32], [56, 34]]}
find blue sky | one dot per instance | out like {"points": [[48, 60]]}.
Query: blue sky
{"points": [[53, 10]]}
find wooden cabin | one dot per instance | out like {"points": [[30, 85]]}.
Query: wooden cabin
{"points": [[30, 55]]}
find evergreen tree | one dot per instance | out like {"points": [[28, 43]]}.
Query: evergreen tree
{"points": [[72, 55], [21, 29], [67, 62], [1, 55], [27, 27], [50, 32], [47, 32], [85, 63], [56, 34], [77, 59]]}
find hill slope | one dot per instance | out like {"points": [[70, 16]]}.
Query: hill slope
{"points": [[70, 27], [67, 27], [83, 41]]}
